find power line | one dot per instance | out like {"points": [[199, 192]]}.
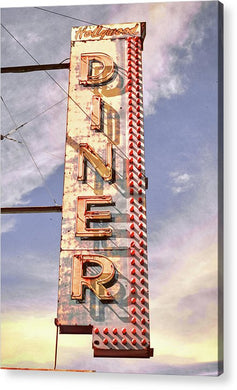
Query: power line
{"points": [[19, 43], [10, 139], [65, 59], [51, 77], [66, 16], [70, 17], [29, 121], [9, 113], [28, 149]]}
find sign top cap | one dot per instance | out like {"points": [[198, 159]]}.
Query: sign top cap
{"points": [[109, 31]]}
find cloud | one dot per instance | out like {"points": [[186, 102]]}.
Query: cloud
{"points": [[33, 37], [181, 182], [30, 273], [44, 137], [30, 342], [169, 26], [182, 253], [183, 295], [183, 270], [27, 343], [170, 37], [7, 224]]}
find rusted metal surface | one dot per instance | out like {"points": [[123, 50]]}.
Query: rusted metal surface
{"points": [[109, 31], [34, 68], [112, 265]]}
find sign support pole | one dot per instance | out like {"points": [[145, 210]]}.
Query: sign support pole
{"points": [[56, 349]]}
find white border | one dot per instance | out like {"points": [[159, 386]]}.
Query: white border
{"points": [[62, 380]]}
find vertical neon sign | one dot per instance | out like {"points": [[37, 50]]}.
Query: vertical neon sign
{"points": [[103, 275]]}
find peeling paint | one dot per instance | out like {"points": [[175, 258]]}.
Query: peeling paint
{"points": [[121, 324]]}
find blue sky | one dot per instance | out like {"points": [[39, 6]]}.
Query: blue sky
{"points": [[180, 104]]}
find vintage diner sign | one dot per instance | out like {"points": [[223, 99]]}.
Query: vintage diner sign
{"points": [[103, 273]]}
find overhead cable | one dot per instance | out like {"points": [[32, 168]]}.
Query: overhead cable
{"points": [[66, 16], [53, 79], [28, 149], [29, 121]]}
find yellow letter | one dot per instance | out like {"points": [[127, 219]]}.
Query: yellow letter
{"points": [[95, 282], [95, 112], [86, 75], [85, 216], [104, 169]]}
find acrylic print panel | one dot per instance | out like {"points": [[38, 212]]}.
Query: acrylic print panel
{"points": [[145, 101]]}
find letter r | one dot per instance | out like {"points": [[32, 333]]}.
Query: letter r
{"points": [[94, 282]]}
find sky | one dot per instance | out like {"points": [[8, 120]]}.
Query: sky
{"points": [[180, 106]]}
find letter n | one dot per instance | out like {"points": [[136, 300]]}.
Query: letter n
{"points": [[104, 169]]}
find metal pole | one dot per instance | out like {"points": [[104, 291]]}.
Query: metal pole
{"points": [[56, 349], [31, 209], [33, 68]]}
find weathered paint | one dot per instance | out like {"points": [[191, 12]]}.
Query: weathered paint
{"points": [[120, 324], [108, 31]]}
